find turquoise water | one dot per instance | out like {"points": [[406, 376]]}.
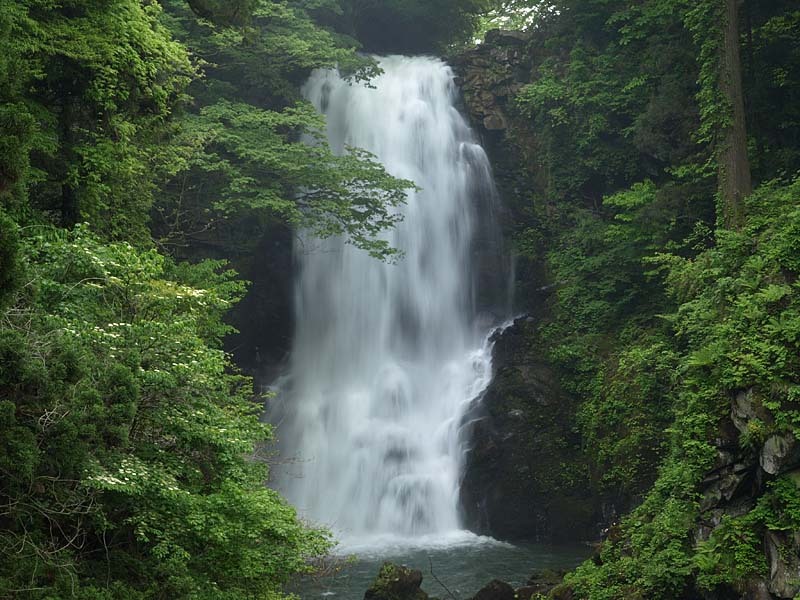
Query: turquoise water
{"points": [[462, 566]]}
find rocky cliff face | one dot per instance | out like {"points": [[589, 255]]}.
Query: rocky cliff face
{"points": [[491, 74], [732, 487], [265, 316], [525, 475], [489, 77]]}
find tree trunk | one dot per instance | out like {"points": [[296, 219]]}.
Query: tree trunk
{"points": [[70, 210], [734, 167]]}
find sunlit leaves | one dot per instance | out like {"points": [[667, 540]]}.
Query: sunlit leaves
{"points": [[128, 422]]}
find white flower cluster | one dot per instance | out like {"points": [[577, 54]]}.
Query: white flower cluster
{"points": [[106, 479], [131, 472]]}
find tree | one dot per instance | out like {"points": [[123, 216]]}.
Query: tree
{"points": [[734, 167], [657, 318], [131, 451], [715, 27], [129, 446], [250, 153], [103, 81]]}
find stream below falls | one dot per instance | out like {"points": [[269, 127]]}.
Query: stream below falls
{"points": [[462, 566]]}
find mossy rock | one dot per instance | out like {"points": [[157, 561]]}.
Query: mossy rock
{"points": [[396, 582]]}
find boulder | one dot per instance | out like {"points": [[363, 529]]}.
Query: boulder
{"points": [[780, 453], [541, 582], [496, 590], [746, 407], [712, 518], [495, 121], [490, 75], [727, 483], [783, 556], [396, 582], [526, 592], [757, 590], [503, 37]]}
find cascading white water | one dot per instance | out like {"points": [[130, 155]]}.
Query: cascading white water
{"points": [[388, 357]]}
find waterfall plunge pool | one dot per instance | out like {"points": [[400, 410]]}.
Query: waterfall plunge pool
{"points": [[461, 561]]}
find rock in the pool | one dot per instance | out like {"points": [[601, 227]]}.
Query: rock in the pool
{"points": [[396, 583], [496, 590]]}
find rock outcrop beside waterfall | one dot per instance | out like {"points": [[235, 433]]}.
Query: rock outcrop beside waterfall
{"points": [[491, 75], [525, 476]]}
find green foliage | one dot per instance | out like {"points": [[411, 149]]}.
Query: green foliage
{"points": [[251, 167], [17, 118], [9, 258], [611, 98], [773, 79], [611, 350], [703, 20], [624, 422], [251, 153], [100, 79], [739, 310], [102, 114], [264, 53], [734, 552], [132, 458], [516, 15], [736, 327], [130, 446], [654, 320]]}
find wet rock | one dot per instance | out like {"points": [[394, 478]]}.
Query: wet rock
{"points": [[525, 475], [541, 582], [490, 76], [757, 590], [526, 592], [726, 483], [496, 590], [507, 36], [746, 407], [495, 121], [395, 582], [783, 555], [712, 518], [563, 592], [779, 454], [729, 486]]}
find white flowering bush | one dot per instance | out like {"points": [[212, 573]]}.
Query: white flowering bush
{"points": [[127, 440]]}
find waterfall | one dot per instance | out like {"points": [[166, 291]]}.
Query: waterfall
{"points": [[387, 358]]}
